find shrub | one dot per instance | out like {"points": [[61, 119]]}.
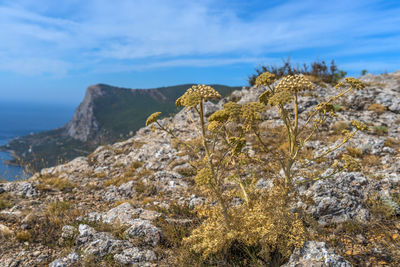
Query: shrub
{"points": [[256, 223], [317, 71], [380, 130]]}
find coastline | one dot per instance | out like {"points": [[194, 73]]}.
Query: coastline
{"points": [[10, 169]]}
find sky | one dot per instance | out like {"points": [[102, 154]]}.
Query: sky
{"points": [[50, 51]]}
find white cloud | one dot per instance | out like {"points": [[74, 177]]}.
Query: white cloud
{"points": [[35, 66], [186, 62], [166, 33]]}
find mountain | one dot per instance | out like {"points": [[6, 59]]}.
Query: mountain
{"points": [[107, 114]]}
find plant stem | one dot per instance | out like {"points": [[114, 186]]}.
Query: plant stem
{"points": [[217, 190]]}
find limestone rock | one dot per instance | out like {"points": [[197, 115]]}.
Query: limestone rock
{"points": [[123, 214], [135, 255], [144, 229], [339, 199], [25, 189], [66, 261], [315, 254], [67, 231]]}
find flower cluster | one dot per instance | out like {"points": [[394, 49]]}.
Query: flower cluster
{"points": [[294, 83], [325, 108], [353, 83], [220, 116], [233, 109], [359, 125], [152, 118], [251, 113], [265, 79], [349, 163], [280, 97], [203, 177], [194, 95], [214, 126]]}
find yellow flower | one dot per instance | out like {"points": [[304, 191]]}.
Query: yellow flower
{"points": [[294, 83], [352, 82], [280, 97], [325, 108], [196, 94], [152, 118], [359, 125], [265, 79], [219, 115], [251, 114], [233, 109], [203, 176], [214, 125]]}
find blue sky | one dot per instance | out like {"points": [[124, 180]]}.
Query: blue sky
{"points": [[50, 51]]}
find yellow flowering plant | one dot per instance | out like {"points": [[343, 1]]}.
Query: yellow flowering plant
{"points": [[237, 150]]}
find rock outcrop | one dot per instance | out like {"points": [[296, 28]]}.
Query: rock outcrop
{"points": [[84, 123]]}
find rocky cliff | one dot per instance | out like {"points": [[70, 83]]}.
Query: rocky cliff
{"points": [[107, 114], [84, 123], [126, 203]]}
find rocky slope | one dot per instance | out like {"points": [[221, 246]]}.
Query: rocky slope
{"points": [[107, 114], [118, 205]]}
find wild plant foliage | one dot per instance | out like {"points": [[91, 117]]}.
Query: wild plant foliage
{"points": [[236, 147], [318, 70]]}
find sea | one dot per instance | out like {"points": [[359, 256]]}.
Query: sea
{"points": [[21, 118]]}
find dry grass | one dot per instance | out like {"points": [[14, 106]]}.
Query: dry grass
{"points": [[117, 181], [6, 201], [49, 183], [145, 189], [378, 108], [24, 236], [370, 161], [133, 167], [392, 142], [45, 227], [133, 174], [339, 126], [379, 130], [354, 152], [374, 243]]}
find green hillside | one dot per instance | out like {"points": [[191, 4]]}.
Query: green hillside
{"points": [[118, 111], [124, 110]]}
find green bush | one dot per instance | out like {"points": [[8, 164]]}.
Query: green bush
{"points": [[318, 71]]}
